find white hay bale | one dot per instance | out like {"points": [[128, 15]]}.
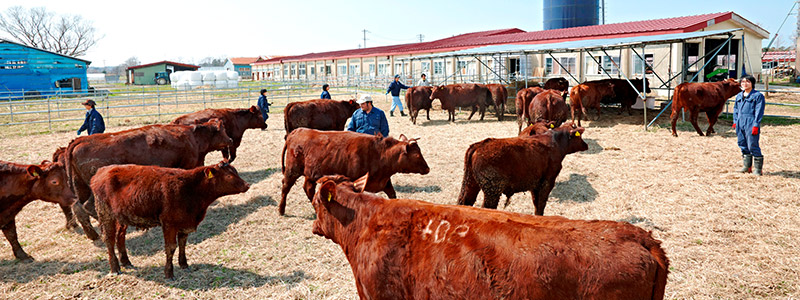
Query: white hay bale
{"points": [[209, 76], [233, 75], [221, 75], [193, 76], [233, 84]]}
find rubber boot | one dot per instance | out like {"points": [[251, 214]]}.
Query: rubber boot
{"points": [[758, 164], [391, 113], [402, 113], [747, 161]]}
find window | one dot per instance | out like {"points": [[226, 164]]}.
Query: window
{"points": [[607, 63], [285, 71], [438, 68], [722, 61], [461, 67], [371, 69], [302, 69], [548, 65], [342, 70], [637, 64], [610, 64], [398, 68], [311, 71], [383, 69], [327, 70], [568, 63], [426, 67], [293, 68], [353, 70]]}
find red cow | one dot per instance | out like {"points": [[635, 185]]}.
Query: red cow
{"points": [[313, 154], [588, 94], [625, 95], [537, 128], [462, 95], [708, 97], [522, 101], [58, 156], [559, 83], [236, 122], [419, 98], [22, 184], [512, 165], [499, 95], [548, 106], [173, 146], [321, 114], [409, 249], [150, 196]]}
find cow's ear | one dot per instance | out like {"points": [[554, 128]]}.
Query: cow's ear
{"points": [[35, 171], [403, 138], [352, 101], [360, 184], [209, 173], [327, 191], [253, 109]]}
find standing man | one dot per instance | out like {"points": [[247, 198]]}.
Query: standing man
{"points": [[94, 121], [423, 81], [263, 106], [748, 111], [368, 119], [395, 88], [325, 93]]}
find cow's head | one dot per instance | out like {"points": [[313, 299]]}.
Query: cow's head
{"points": [[731, 87], [222, 179], [638, 85], [332, 204], [351, 106], [252, 118], [607, 90], [404, 155], [50, 183], [570, 138], [540, 127], [213, 134], [437, 92]]}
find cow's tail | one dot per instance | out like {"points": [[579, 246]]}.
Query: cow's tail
{"points": [[70, 170], [409, 95], [469, 185], [283, 155], [662, 269]]}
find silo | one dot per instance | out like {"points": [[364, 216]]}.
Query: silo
{"points": [[570, 13]]}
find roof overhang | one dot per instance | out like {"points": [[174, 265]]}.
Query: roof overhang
{"points": [[581, 45]]}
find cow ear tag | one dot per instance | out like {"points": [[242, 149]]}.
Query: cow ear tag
{"points": [[209, 175], [551, 126], [329, 197], [577, 133], [35, 174]]}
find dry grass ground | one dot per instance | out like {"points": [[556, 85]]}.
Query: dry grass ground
{"points": [[728, 235]]}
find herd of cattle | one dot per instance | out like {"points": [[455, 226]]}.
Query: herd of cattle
{"points": [[398, 249]]}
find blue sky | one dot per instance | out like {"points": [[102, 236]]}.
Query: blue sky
{"points": [[189, 31]]}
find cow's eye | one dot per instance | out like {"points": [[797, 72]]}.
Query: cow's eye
{"points": [[54, 182]]}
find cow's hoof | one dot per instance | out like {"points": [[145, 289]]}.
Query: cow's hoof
{"points": [[112, 273], [186, 266], [25, 259], [93, 236]]}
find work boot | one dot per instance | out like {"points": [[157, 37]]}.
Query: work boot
{"points": [[759, 163], [402, 113], [391, 113], [747, 161]]}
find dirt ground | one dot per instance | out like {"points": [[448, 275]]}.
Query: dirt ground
{"points": [[728, 235]]}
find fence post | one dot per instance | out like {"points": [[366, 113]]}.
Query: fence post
{"points": [[49, 122], [158, 104], [11, 109], [204, 97]]}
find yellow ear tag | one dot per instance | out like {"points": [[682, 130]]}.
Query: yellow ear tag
{"points": [[329, 197], [551, 126], [35, 174], [577, 133], [209, 175]]}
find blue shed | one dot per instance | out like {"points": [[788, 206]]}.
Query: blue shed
{"points": [[25, 70]]}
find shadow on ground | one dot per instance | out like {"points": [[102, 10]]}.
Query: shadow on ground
{"points": [[417, 189], [24, 272], [253, 177], [577, 189], [204, 277]]}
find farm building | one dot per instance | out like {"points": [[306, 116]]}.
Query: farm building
{"points": [[26, 70], [700, 54], [242, 66], [146, 74]]}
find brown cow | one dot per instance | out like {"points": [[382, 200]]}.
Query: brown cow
{"points": [[236, 122], [559, 83], [173, 146], [548, 106], [22, 184], [708, 97], [499, 95], [588, 94], [512, 165], [313, 154], [150, 196], [321, 114], [462, 95], [522, 101], [419, 98], [409, 249], [625, 95], [59, 156], [537, 128]]}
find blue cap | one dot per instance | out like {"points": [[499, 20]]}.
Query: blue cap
{"points": [[396, 76]]}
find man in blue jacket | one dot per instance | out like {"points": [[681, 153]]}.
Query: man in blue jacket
{"points": [[325, 93], [395, 88], [748, 111], [368, 119], [94, 121], [263, 106]]}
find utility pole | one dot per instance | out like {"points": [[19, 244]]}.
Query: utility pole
{"points": [[365, 37], [420, 37]]}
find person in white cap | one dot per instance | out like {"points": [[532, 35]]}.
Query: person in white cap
{"points": [[368, 119]]}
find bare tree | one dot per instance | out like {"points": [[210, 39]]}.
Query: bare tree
{"points": [[65, 34]]}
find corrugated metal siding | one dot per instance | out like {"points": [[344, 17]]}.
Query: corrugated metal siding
{"points": [[147, 75], [28, 69]]}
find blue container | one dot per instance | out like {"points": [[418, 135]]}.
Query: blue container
{"points": [[570, 13]]}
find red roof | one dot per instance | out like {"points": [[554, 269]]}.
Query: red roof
{"points": [[779, 55], [517, 36], [164, 62], [244, 60]]}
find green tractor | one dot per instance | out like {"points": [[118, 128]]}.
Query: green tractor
{"points": [[719, 74], [162, 78]]}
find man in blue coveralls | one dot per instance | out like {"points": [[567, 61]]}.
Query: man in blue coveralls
{"points": [[93, 123], [368, 119], [395, 88], [747, 114]]}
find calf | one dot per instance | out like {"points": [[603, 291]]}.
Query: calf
{"points": [[313, 154], [462, 95], [708, 97], [236, 121], [548, 106], [22, 184], [624, 93], [512, 165], [588, 94], [499, 97], [523, 101], [409, 249], [321, 114], [149, 196], [173, 146], [418, 98], [559, 84]]}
